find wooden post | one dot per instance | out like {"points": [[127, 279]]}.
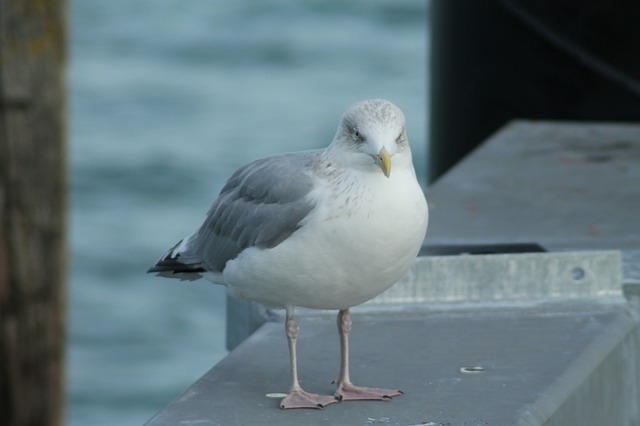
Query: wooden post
{"points": [[32, 211]]}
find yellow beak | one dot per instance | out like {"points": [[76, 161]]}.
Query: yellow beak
{"points": [[385, 161]]}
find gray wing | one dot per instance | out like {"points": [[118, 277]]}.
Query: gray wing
{"points": [[261, 205]]}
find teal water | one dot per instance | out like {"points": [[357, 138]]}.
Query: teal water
{"points": [[166, 100]]}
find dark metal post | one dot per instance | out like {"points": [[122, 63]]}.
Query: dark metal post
{"points": [[495, 60]]}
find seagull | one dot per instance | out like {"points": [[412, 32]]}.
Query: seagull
{"points": [[323, 229]]}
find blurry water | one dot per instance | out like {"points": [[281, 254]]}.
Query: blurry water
{"points": [[167, 99]]}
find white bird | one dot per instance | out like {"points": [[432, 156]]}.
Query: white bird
{"points": [[324, 229]]}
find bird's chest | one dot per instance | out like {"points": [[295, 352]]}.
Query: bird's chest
{"points": [[377, 218]]}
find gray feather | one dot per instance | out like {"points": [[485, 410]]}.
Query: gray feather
{"points": [[261, 205]]}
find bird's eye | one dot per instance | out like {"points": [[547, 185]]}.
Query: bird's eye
{"points": [[401, 137], [357, 136]]}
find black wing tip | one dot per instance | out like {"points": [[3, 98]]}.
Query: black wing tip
{"points": [[158, 268], [170, 264], [173, 266]]}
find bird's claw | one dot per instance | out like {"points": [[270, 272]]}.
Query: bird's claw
{"points": [[302, 399], [350, 392]]}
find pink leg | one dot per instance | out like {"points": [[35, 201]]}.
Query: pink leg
{"points": [[297, 397], [347, 391]]}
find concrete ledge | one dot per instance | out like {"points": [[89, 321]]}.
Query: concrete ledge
{"points": [[513, 339], [494, 277], [564, 185], [497, 365]]}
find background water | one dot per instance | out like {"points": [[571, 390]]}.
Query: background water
{"points": [[167, 99]]}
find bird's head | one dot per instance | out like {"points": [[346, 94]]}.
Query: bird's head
{"points": [[372, 134]]}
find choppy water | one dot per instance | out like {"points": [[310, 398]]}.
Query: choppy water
{"points": [[167, 99]]}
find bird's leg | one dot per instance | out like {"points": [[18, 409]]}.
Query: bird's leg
{"points": [[297, 397], [347, 391]]}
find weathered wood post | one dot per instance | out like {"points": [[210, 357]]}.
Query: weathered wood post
{"points": [[32, 211]]}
